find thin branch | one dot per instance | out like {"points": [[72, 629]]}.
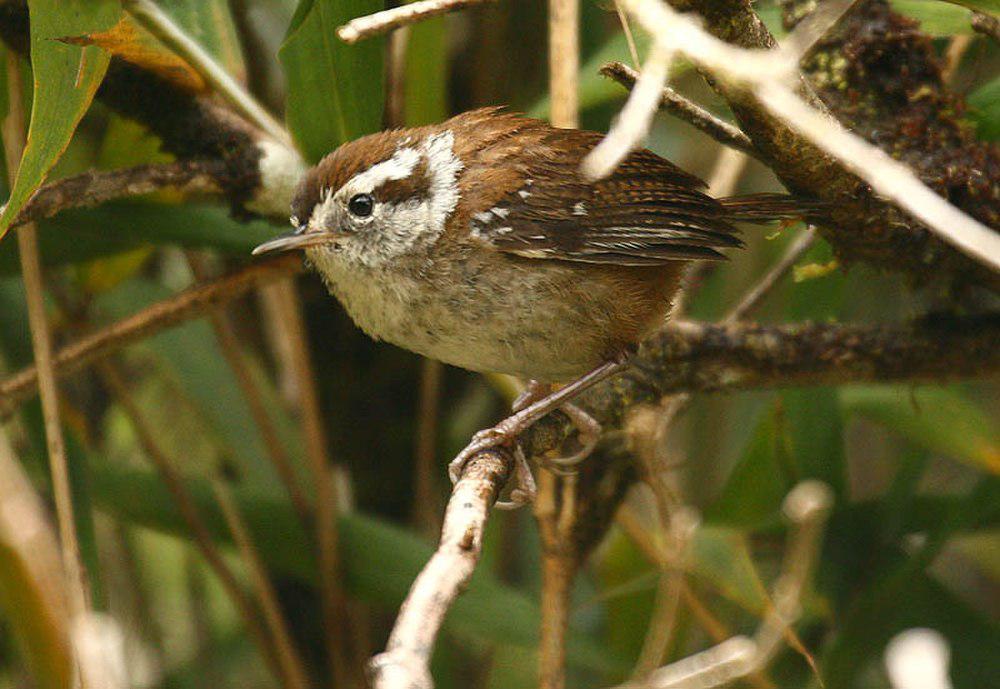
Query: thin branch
{"points": [[191, 303], [293, 669], [190, 514], [426, 503], [564, 62], [388, 20], [555, 507], [806, 506], [31, 269], [406, 660], [758, 85], [159, 23], [233, 353], [687, 110], [336, 619], [752, 299], [97, 187]]}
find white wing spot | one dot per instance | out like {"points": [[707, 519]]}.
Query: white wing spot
{"points": [[579, 208]]}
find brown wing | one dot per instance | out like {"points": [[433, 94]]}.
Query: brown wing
{"points": [[647, 213]]}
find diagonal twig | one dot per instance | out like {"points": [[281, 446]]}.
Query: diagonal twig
{"points": [[388, 20], [687, 110], [191, 303]]}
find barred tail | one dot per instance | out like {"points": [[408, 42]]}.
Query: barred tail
{"points": [[767, 207]]}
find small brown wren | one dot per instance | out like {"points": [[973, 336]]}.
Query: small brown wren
{"points": [[477, 242]]}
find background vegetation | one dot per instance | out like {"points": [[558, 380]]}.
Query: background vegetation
{"points": [[912, 537]]}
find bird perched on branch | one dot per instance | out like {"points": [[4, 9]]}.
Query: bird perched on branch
{"points": [[478, 242]]}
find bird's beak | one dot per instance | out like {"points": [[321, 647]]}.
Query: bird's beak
{"points": [[298, 238]]}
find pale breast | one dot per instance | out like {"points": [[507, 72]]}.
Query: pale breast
{"points": [[540, 322]]}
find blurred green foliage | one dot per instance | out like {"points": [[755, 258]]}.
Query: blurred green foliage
{"points": [[912, 540]]}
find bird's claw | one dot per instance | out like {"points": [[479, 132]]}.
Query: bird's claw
{"points": [[524, 490]]}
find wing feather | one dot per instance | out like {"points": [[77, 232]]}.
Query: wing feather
{"points": [[648, 212]]}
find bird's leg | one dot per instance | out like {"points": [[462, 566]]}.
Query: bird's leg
{"points": [[506, 432]]}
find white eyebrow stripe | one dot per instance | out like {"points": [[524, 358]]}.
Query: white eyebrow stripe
{"points": [[399, 166]]}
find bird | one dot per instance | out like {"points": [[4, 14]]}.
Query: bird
{"points": [[479, 242]]}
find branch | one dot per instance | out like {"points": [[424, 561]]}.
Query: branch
{"points": [[191, 303], [406, 660], [389, 20], [699, 357], [97, 187], [742, 66], [255, 172], [689, 111]]}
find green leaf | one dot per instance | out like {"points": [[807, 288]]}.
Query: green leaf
{"points": [[380, 560], [66, 78], [985, 6], [817, 434], [335, 90], [124, 225], [426, 81], [210, 23], [756, 487], [984, 110], [720, 556], [941, 420], [936, 18]]}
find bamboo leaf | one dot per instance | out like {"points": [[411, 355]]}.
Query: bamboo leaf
{"points": [[380, 560], [335, 90], [66, 78], [942, 420]]}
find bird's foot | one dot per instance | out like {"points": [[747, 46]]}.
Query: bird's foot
{"points": [[588, 431], [501, 435], [538, 401]]}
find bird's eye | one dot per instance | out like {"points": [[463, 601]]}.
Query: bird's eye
{"points": [[361, 205]]}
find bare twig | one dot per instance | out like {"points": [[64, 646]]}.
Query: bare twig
{"points": [[687, 110], [387, 20], [158, 23], [918, 659], [336, 620], [555, 505], [293, 669], [406, 660], [689, 356], [77, 588], [769, 76], [796, 250], [96, 187], [232, 351], [627, 30], [425, 498], [663, 621], [806, 507], [564, 62], [190, 303], [815, 26]]}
